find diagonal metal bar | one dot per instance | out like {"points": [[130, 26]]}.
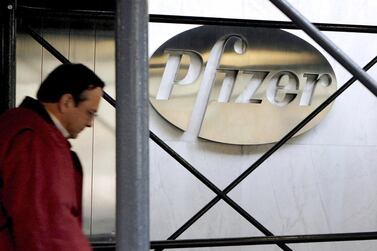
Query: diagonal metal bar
{"points": [[46, 45], [257, 163], [326, 44], [215, 189], [58, 55], [169, 150]]}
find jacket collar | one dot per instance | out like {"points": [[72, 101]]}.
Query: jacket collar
{"points": [[37, 107]]}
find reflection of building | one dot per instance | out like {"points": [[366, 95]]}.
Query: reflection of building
{"points": [[320, 182]]}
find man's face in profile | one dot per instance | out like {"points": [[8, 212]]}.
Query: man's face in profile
{"points": [[81, 115]]}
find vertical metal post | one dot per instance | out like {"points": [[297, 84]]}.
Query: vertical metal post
{"points": [[132, 133], [8, 55], [326, 44]]}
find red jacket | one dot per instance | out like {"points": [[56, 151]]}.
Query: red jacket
{"points": [[40, 184]]}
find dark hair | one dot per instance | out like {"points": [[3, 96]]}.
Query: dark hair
{"points": [[68, 78]]}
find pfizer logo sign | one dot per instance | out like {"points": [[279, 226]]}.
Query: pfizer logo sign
{"points": [[239, 85]]}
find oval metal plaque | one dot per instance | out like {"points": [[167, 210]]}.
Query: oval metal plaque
{"points": [[239, 85]]}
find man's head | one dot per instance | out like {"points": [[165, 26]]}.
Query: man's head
{"points": [[72, 93]]}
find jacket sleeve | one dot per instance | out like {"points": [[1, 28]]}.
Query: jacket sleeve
{"points": [[37, 197]]}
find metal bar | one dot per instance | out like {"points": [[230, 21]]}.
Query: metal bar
{"points": [[327, 44], [273, 149], [37, 12], [257, 23], [46, 45], [104, 247], [58, 55], [216, 190], [248, 241], [265, 240], [8, 55], [132, 156], [32, 11]]}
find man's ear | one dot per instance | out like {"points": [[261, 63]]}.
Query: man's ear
{"points": [[66, 102]]}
